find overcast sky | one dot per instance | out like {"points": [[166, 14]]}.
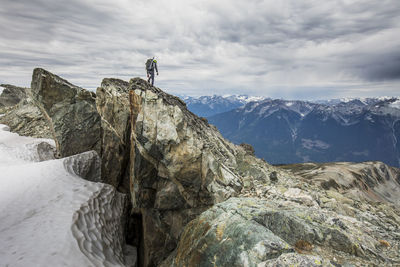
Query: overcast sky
{"points": [[292, 49]]}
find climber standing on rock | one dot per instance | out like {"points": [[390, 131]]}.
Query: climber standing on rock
{"points": [[151, 64]]}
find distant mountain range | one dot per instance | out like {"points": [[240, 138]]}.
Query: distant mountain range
{"points": [[206, 106], [284, 131]]}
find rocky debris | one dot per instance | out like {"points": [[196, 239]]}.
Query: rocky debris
{"points": [[112, 102], [180, 166], [367, 181], [11, 95], [70, 111]]}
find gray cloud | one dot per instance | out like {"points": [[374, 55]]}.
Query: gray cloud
{"points": [[380, 66], [283, 49], [385, 70]]}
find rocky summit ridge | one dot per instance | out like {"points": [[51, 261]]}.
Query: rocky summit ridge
{"points": [[198, 200]]}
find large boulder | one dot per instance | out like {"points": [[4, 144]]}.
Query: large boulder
{"points": [[70, 111], [112, 101], [179, 166]]}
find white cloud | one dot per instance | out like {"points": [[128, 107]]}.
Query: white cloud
{"points": [[280, 49]]}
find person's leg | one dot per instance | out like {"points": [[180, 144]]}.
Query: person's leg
{"points": [[152, 78]]}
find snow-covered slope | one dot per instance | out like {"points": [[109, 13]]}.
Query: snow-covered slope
{"points": [[49, 215]]}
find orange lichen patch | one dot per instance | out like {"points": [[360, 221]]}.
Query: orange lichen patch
{"points": [[194, 231], [204, 119], [303, 246], [220, 231], [384, 243], [195, 258]]}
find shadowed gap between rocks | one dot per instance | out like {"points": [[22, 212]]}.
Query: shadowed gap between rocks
{"points": [[134, 233]]}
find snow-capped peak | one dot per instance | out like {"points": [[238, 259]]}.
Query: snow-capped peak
{"points": [[289, 104], [395, 104]]}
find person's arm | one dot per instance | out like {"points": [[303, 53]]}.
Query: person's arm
{"points": [[155, 65]]}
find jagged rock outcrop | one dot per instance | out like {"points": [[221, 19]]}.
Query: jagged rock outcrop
{"points": [[112, 102], [72, 120], [27, 120], [180, 166], [70, 111], [20, 113], [11, 95]]}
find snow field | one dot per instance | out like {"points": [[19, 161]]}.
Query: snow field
{"points": [[49, 216]]}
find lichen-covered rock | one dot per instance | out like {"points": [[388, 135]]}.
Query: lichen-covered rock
{"points": [[226, 235], [11, 95], [179, 166], [112, 101], [295, 259], [70, 111], [277, 232]]}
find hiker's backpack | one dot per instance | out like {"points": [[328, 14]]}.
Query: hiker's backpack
{"points": [[149, 64]]}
